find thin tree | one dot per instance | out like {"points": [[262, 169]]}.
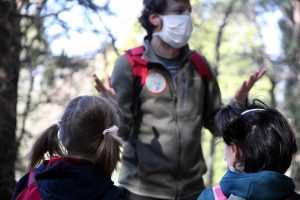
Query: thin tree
{"points": [[221, 29], [10, 48]]}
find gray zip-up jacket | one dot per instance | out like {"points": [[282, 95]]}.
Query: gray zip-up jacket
{"points": [[166, 160]]}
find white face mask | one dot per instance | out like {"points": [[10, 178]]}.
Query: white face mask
{"points": [[176, 30]]}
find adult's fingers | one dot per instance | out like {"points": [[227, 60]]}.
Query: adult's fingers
{"points": [[99, 85], [107, 81], [261, 73], [255, 77]]}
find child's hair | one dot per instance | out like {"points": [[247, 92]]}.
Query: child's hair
{"points": [[80, 133], [265, 137]]}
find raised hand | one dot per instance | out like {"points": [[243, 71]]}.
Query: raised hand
{"points": [[242, 92], [104, 89]]}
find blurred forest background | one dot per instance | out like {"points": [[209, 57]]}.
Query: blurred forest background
{"points": [[36, 82]]}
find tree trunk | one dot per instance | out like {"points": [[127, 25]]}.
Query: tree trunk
{"points": [[9, 74], [222, 26]]}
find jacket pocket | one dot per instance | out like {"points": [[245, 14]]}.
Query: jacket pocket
{"points": [[191, 93]]}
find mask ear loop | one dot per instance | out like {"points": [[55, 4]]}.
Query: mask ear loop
{"points": [[230, 168]]}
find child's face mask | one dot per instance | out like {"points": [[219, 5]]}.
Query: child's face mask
{"points": [[176, 30]]}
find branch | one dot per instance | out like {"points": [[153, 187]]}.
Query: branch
{"points": [[221, 31], [113, 39], [27, 109]]}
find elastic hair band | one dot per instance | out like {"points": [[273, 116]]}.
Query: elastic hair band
{"points": [[58, 124], [58, 132], [253, 110], [59, 136], [112, 130]]}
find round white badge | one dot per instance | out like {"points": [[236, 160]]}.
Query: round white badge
{"points": [[156, 83]]}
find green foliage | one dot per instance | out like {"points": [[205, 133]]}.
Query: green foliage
{"points": [[219, 167], [239, 48], [136, 36], [240, 40]]}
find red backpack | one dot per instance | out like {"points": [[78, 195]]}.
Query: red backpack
{"points": [[139, 68], [31, 192]]}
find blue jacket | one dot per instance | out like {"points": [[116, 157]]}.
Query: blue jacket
{"points": [[64, 180], [265, 185]]}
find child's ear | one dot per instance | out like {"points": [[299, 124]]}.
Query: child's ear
{"points": [[236, 151]]}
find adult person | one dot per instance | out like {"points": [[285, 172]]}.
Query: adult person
{"points": [[162, 158], [259, 146]]}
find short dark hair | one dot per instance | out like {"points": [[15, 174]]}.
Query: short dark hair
{"points": [[151, 7], [264, 136]]}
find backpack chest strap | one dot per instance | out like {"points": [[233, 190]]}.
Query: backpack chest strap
{"points": [[218, 194], [31, 178]]}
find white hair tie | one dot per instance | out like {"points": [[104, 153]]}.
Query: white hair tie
{"points": [[253, 110], [113, 130]]}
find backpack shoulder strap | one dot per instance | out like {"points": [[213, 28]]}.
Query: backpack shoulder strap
{"points": [[200, 65], [31, 191], [31, 178], [139, 66], [218, 194], [202, 68]]}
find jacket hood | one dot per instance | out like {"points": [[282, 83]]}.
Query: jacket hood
{"points": [[265, 185], [65, 180]]}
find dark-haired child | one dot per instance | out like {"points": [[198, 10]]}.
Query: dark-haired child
{"points": [[84, 150], [259, 144]]}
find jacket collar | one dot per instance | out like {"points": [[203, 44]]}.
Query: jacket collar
{"points": [[150, 55], [265, 185], [71, 178]]}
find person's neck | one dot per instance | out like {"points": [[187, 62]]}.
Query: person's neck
{"points": [[164, 50]]}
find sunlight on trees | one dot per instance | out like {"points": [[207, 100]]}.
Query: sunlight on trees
{"points": [[228, 32]]}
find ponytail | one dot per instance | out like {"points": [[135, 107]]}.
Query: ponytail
{"points": [[47, 142], [108, 153]]}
